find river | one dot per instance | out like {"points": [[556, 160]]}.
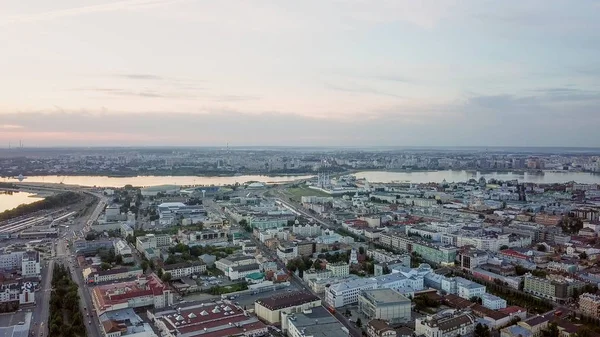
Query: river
{"points": [[419, 177], [14, 199], [145, 181]]}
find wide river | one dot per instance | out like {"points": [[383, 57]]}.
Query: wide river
{"points": [[144, 181], [458, 176], [10, 201]]}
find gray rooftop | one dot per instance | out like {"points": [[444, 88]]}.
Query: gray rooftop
{"points": [[384, 296], [319, 323]]}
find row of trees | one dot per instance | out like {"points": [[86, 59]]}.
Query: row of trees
{"points": [[65, 316], [53, 201], [512, 296]]}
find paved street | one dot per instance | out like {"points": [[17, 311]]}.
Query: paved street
{"points": [[41, 311]]}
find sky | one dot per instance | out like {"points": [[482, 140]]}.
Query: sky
{"points": [[300, 73]]}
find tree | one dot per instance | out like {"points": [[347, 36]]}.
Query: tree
{"points": [[119, 259], [151, 265], [541, 248], [503, 247], [105, 266], [358, 322], [551, 330], [144, 265], [386, 270], [583, 256], [361, 250], [159, 273], [166, 277], [481, 330]]}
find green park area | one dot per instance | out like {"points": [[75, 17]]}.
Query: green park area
{"points": [[296, 193]]}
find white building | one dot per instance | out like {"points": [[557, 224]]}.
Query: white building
{"points": [[346, 293], [406, 281], [468, 289], [493, 302], [286, 252], [27, 262], [309, 229], [122, 248], [184, 269], [385, 304], [338, 269]]}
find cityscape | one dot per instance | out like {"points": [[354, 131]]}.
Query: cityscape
{"points": [[380, 168], [322, 247]]}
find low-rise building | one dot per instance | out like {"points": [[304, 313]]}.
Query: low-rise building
{"points": [[13, 293], [212, 319], [449, 323], [589, 304], [271, 308], [234, 261], [315, 322], [468, 289], [240, 272], [184, 269], [124, 323], [114, 274], [380, 328], [385, 304], [145, 291], [493, 302], [338, 269], [286, 252]]}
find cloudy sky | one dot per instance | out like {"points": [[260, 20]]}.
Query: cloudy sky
{"points": [[310, 72]]}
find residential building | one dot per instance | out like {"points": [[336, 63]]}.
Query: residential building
{"points": [[184, 269], [271, 308], [308, 230], [315, 322], [589, 304], [338, 269], [536, 324], [448, 323], [380, 328], [493, 302], [555, 290], [385, 304]]}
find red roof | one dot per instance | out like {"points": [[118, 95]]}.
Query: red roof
{"points": [[512, 309]]}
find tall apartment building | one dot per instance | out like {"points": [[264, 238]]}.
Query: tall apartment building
{"points": [[589, 304]]}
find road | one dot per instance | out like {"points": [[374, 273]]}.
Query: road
{"points": [[41, 310], [295, 281], [68, 259]]}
